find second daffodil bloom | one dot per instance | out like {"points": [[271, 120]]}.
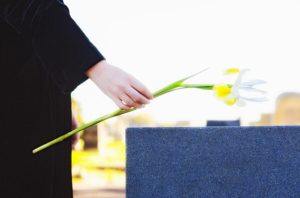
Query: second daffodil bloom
{"points": [[230, 94]]}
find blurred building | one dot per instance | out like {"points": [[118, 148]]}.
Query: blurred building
{"points": [[287, 111], [266, 119], [89, 138]]}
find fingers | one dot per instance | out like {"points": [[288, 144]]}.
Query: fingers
{"points": [[137, 98], [121, 104], [126, 100], [138, 86], [134, 96], [131, 99]]}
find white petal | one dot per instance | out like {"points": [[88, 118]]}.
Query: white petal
{"points": [[263, 99], [241, 103], [253, 83], [240, 77], [253, 89], [235, 92]]}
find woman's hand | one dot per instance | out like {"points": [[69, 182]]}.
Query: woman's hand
{"points": [[126, 91]]}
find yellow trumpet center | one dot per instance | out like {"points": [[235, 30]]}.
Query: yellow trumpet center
{"points": [[222, 91], [232, 71]]}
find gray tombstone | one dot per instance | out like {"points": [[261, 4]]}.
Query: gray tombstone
{"points": [[213, 162]]}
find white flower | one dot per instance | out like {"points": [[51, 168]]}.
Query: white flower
{"points": [[231, 94]]}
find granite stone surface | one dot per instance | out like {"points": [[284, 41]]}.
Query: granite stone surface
{"points": [[213, 162]]}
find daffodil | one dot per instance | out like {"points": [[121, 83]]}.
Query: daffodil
{"points": [[230, 94], [226, 92]]}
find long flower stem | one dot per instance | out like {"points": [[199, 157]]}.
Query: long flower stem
{"points": [[171, 87], [81, 128]]}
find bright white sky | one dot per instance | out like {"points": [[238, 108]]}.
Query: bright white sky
{"points": [[160, 41]]}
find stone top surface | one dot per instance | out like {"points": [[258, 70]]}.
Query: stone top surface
{"points": [[213, 162]]}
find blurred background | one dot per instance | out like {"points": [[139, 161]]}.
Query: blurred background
{"points": [[160, 41]]}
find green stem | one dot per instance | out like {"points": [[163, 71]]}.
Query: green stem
{"points": [[101, 119], [198, 86], [171, 87], [81, 128]]}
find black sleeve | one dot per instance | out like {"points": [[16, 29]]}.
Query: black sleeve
{"points": [[58, 42]]}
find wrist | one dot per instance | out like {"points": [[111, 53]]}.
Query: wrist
{"points": [[97, 68]]}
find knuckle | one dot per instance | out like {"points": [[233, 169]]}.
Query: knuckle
{"points": [[123, 85]]}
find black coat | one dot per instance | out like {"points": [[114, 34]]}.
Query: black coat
{"points": [[43, 57]]}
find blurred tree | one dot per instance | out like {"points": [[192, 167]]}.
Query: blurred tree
{"points": [[141, 119], [76, 110]]}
